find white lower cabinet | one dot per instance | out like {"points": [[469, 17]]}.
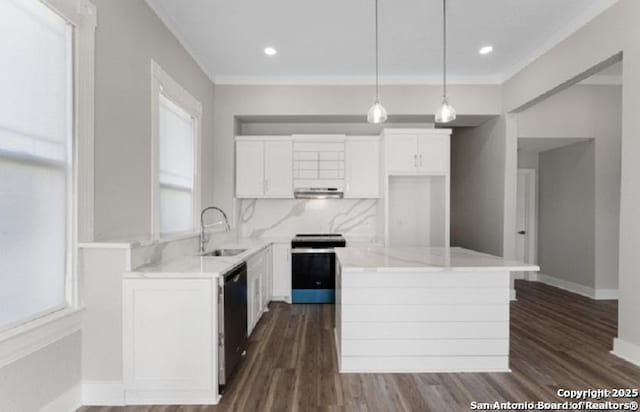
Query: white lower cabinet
{"points": [[281, 268], [258, 297], [170, 341], [267, 281], [170, 330]]}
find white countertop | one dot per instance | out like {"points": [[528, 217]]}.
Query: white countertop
{"points": [[196, 266], [430, 259]]}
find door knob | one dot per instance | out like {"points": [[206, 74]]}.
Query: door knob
{"points": [[522, 232]]}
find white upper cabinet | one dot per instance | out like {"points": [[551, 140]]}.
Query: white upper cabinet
{"points": [[418, 151], [278, 168], [362, 167], [249, 168], [402, 153], [264, 167], [434, 154]]}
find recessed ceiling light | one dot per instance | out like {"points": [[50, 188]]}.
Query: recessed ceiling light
{"points": [[270, 51], [485, 50]]}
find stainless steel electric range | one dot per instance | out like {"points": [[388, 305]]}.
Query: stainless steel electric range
{"points": [[313, 267]]}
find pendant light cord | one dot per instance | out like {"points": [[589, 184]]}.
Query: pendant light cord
{"points": [[376, 13], [444, 49]]}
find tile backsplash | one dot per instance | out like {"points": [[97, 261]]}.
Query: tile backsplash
{"points": [[285, 217]]}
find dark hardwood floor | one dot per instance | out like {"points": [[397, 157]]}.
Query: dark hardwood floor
{"points": [[558, 340]]}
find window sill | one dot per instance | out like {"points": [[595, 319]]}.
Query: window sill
{"points": [[23, 340]]}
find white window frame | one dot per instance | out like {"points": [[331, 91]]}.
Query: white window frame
{"points": [[162, 83], [36, 333]]}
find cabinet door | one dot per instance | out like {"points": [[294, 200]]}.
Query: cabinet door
{"points": [[281, 255], [250, 179], [256, 308], [251, 291], [256, 268], [402, 153], [363, 168], [268, 280], [434, 154], [168, 339], [279, 168], [265, 284]]}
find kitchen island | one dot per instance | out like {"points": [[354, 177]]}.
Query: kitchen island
{"points": [[422, 309]]}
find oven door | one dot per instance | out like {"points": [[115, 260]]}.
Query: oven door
{"points": [[313, 275]]}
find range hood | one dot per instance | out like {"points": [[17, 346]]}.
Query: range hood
{"points": [[318, 193]]}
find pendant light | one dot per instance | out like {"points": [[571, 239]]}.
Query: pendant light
{"points": [[446, 113], [377, 113]]}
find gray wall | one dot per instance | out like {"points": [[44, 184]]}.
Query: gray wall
{"points": [[32, 382], [129, 35], [591, 112], [528, 160], [615, 31], [477, 186], [566, 226]]}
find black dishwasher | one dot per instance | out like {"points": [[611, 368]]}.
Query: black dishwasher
{"points": [[232, 321]]}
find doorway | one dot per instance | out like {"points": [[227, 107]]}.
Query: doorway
{"points": [[526, 221]]}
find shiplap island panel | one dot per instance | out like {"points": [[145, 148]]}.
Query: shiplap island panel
{"points": [[419, 310]]}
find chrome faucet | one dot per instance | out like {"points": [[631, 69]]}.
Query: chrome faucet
{"points": [[202, 226]]}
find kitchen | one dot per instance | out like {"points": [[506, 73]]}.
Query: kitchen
{"points": [[412, 161], [295, 253]]}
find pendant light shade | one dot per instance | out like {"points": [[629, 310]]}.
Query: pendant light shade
{"points": [[445, 113], [377, 113]]}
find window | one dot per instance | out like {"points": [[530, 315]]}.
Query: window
{"points": [[36, 160], [176, 167], [176, 138]]}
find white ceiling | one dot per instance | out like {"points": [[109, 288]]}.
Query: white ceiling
{"points": [[331, 41]]}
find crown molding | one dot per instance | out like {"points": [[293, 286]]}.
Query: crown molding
{"points": [[353, 80], [170, 25]]}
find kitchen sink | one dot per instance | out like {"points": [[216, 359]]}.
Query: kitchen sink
{"points": [[224, 252]]}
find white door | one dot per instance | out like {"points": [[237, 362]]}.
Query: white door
{"points": [[362, 167], [434, 154], [250, 181], [279, 169], [526, 217], [402, 153]]}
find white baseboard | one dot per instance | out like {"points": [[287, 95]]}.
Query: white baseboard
{"points": [[606, 294], [513, 295], [598, 294], [69, 401], [172, 397], [103, 393], [626, 350]]}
